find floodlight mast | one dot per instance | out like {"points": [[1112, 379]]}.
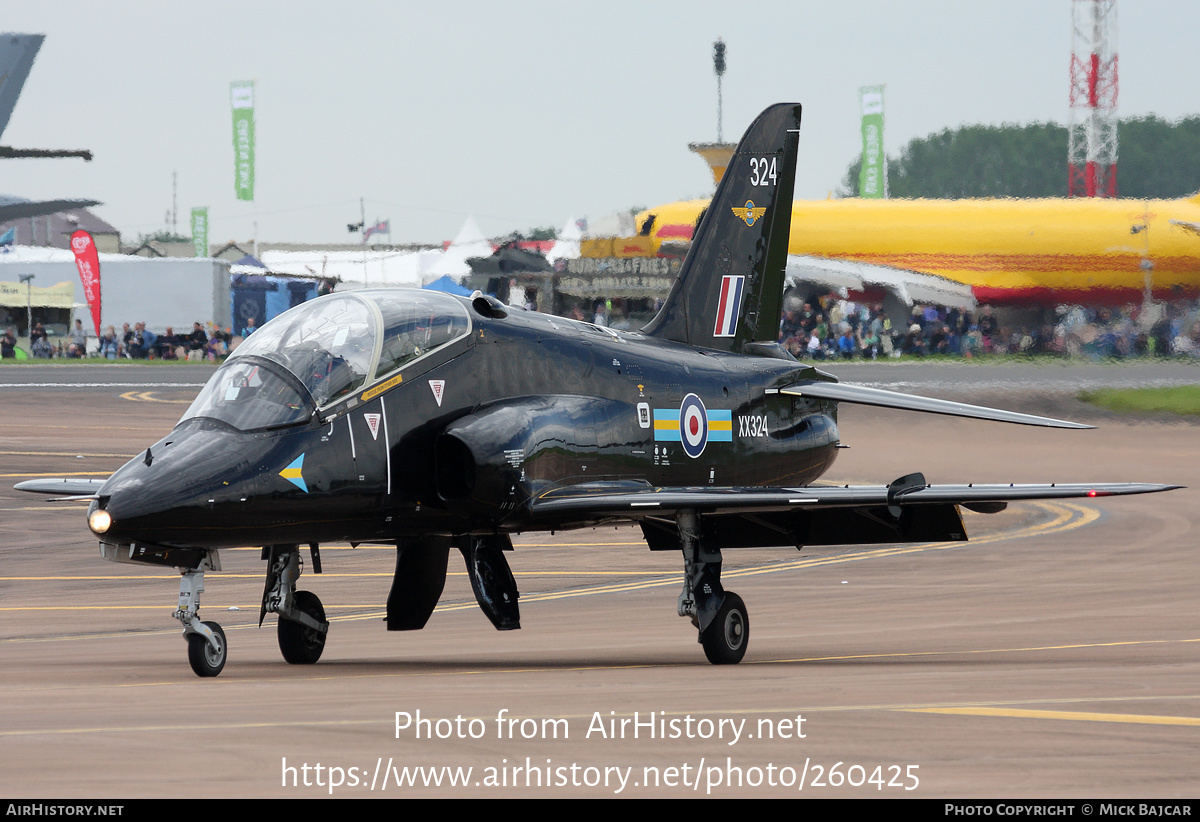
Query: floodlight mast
{"points": [[719, 68]]}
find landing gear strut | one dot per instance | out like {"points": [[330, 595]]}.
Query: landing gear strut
{"points": [[720, 616], [302, 625], [207, 648]]}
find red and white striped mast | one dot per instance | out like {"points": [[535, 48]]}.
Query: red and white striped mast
{"points": [[1092, 134]]}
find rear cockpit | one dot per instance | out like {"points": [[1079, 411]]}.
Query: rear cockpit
{"points": [[322, 352]]}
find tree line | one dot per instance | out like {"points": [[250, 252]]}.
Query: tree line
{"points": [[1156, 159]]}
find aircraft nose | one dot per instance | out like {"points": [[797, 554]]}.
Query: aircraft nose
{"points": [[168, 492]]}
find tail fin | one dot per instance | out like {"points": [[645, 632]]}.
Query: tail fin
{"points": [[16, 59], [730, 286]]}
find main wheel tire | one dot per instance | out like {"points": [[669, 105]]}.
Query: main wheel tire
{"points": [[300, 644], [726, 637], [204, 660]]}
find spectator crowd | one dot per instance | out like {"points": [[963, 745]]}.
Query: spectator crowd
{"points": [[135, 343], [830, 327]]}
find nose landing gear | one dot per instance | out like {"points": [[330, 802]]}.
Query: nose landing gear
{"points": [[207, 648]]}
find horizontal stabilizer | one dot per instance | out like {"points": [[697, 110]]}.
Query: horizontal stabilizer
{"points": [[83, 487], [842, 392]]}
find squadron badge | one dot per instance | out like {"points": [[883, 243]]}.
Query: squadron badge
{"points": [[748, 213]]}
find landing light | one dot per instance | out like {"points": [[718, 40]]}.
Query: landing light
{"points": [[99, 521]]}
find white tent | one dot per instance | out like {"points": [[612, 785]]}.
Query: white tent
{"points": [[469, 243], [566, 247]]}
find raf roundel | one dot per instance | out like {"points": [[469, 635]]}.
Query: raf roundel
{"points": [[693, 426]]}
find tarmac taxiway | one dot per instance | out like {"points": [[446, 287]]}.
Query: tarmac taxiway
{"points": [[1056, 654]]}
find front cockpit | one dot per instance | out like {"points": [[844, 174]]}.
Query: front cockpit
{"points": [[323, 352]]}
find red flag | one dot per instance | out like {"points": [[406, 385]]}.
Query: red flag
{"points": [[88, 263]]}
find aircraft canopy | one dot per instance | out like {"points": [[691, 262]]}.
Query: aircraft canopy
{"points": [[333, 346]]}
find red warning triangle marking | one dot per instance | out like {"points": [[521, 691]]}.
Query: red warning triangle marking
{"points": [[373, 424]]}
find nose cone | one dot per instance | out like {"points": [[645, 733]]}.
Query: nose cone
{"points": [[168, 495]]}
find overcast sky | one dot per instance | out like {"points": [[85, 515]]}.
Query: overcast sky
{"points": [[521, 113]]}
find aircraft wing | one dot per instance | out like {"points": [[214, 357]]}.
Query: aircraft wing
{"points": [[609, 500]]}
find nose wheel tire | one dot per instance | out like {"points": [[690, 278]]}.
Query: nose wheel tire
{"points": [[300, 644], [204, 659], [726, 637]]}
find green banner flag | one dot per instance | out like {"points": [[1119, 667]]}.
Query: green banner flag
{"points": [[872, 179], [200, 232], [242, 97]]}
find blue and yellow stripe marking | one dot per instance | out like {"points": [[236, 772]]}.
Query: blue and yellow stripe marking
{"points": [[666, 425], [293, 473], [720, 426]]}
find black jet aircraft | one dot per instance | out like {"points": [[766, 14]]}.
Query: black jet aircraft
{"points": [[434, 422]]}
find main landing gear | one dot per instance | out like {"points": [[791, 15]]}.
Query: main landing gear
{"points": [[719, 615], [302, 625]]}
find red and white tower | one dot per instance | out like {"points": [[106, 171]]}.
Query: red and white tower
{"points": [[1092, 135]]}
